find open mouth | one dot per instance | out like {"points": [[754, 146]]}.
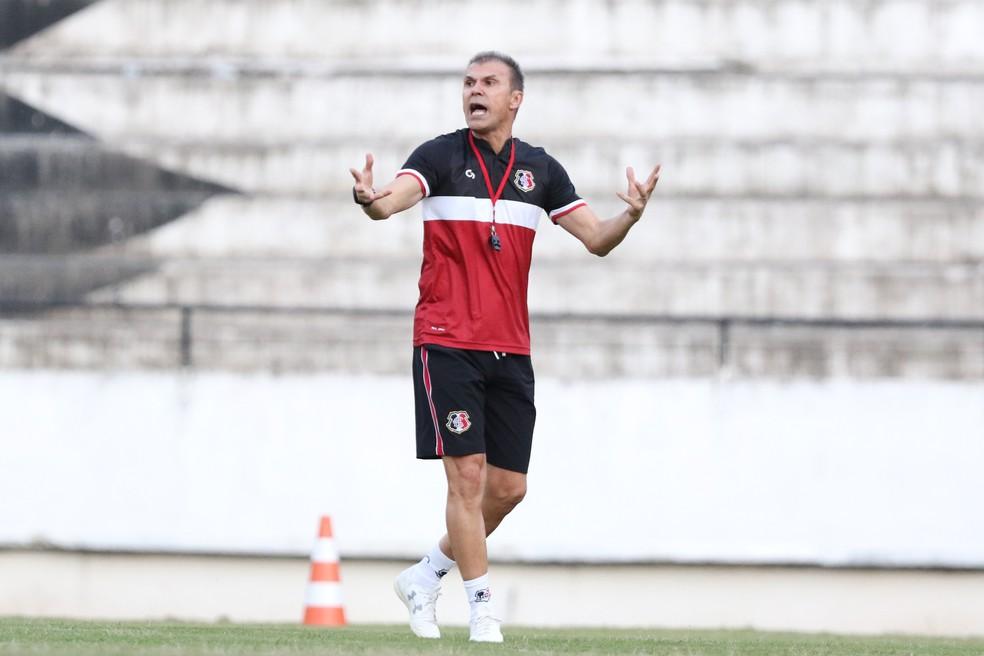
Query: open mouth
{"points": [[477, 109]]}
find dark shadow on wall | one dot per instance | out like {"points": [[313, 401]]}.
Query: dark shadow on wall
{"points": [[20, 19], [62, 194]]}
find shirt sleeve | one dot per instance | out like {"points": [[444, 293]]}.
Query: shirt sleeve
{"points": [[423, 165], [562, 198]]}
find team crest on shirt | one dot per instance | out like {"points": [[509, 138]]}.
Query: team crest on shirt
{"points": [[524, 180], [458, 421]]}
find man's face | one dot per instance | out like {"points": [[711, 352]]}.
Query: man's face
{"points": [[488, 99]]}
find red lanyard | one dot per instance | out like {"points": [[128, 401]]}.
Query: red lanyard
{"points": [[485, 172]]}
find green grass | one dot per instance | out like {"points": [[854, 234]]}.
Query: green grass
{"points": [[57, 637]]}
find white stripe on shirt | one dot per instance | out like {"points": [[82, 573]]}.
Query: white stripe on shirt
{"points": [[469, 208], [420, 178]]}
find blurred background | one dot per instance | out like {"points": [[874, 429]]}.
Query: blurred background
{"points": [[765, 408]]}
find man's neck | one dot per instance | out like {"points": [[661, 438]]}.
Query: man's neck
{"points": [[496, 138]]}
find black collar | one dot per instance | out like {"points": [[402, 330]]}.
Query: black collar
{"points": [[486, 147]]}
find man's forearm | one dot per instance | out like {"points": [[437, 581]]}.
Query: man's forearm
{"points": [[612, 231], [378, 209], [400, 194]]}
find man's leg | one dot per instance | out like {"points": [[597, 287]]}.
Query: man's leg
{"points": [[449, 395], [466, 525], [479, 496], [509, 419], [504, 490]]}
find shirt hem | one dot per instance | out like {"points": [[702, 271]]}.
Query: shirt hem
{"points": [[472, 346]]}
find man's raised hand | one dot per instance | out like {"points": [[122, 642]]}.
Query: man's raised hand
{"points": [[364, 191], [638, 193]]}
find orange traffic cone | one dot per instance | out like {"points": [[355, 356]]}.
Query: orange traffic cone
{"points": [[323, 601]]}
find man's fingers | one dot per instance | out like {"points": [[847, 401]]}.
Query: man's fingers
{"points": [[369, 163], [356, 175], [383, 194], [635, 203], [653, 177], [643, 190]]}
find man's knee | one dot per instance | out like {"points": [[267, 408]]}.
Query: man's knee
{"points": [[466, 477], [507, 494]]}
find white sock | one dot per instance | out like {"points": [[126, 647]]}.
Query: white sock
{"points": [[432, 567], [479, 595]]}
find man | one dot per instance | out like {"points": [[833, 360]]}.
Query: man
{"points": [[483, 193]]}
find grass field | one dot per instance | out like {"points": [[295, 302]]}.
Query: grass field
{"points": [[56, 637]]}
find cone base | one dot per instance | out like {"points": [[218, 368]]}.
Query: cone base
{"points": [[323, 616]]}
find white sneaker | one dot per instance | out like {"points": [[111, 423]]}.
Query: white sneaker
{"points": [[485, 628], [421, 602]]}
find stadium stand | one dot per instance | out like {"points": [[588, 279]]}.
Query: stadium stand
{"points": [[820, 213]]}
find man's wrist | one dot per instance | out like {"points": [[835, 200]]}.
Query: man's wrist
{"points": [[355, 197]]}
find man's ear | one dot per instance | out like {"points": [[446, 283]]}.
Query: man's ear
{"points": [[515, 99]]}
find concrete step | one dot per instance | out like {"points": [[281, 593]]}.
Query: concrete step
{"points": [[727, 229], [63, 278], [120, 105], [564, 348], [588, 285], [79, 163], [837, 34], [770, 167], [91, 339], [66, 220]]}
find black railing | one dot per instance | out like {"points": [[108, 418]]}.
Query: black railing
{"points": [[723, 326]]}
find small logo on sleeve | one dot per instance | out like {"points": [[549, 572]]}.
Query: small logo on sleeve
{"points": [[524, 180], [458, 421]]}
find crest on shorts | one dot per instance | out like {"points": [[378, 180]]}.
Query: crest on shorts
{"points": [[458, 421], [524, 180]]}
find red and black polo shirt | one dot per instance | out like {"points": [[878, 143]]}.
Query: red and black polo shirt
{"points": [[472, 296]]}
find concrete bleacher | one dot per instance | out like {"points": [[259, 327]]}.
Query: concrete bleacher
{"points": [[819, 34], [568, 348], [611, 286], [822, 160]]}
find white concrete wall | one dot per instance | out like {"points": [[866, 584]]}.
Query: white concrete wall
{"points": [[154, 586], [834, 473]]}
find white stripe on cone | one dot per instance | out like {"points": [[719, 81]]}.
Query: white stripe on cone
{"points": [[324, 551], [323, 595]]}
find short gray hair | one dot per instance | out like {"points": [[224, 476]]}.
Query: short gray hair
{"points": [[493, 55]]}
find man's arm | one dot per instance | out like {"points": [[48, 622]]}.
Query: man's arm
{"points": [[601, 236], [402, 193]]}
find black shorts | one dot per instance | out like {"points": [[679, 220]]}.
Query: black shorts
{"points": [[474, 402]]}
